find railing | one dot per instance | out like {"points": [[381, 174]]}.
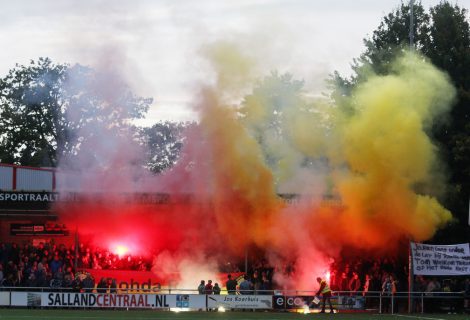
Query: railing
{"points": [[374, 301]]}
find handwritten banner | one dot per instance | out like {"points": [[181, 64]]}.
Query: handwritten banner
{"points": [[439, 260]]}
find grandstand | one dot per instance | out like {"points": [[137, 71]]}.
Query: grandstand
{"points": [[28, 216], [26, 197]]}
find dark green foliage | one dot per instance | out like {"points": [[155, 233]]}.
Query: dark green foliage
{"points": [[46, 108], [163, 142]]}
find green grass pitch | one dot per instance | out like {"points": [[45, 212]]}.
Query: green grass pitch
{"points": [[59, 314]]}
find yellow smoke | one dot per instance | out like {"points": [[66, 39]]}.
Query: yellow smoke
{"points": [[242, 188], [388, 153], [379, 157]]}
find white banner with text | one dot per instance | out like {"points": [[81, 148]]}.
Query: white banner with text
{"points": [[440, 260], [240, 301]]}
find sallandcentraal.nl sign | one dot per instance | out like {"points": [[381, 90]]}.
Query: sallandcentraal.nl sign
{"points": [[96, 300], [438, 260]]}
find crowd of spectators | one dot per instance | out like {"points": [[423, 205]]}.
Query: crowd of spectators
{"points": [[360, 276], [389, 277], [259, 279], [49, 265]]}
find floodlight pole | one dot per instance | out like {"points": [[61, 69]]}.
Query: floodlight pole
{"points": [[411, 24], [76, 250], [410, 253], [411, 277], [246, 260]]}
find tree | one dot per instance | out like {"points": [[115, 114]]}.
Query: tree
{"points": [[449, 41], [163, 142], [264, 111], [391, 37], [30, 128], [44, 108], [449, 49]]}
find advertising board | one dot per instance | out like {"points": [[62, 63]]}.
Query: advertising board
{"points": [[98, 300], [239, 301]]}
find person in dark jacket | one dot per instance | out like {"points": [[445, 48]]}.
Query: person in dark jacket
{"points": [[113, 287], [231, 285], [216, 288], [88, 283], [265, 287], [102, 286]]}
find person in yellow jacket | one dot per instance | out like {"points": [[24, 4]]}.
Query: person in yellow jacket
{"points": [[325, 291]]}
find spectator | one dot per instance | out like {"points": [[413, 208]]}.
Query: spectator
{"points": [[343, 284], [265, 287], [388, 291], [57, 280], [88, 283], [420, 285], [43, 264], [256, 281], [354, 284], [77, 283], [96, 264], [3, 254], [9, 281], [113, 286], [1, 274], [231, 285], [14, 254], [466, 290], [202, 287], [102, 286], [216, 288], [55, 264], [68, 278], [333, 281], [433, 286], [41, 278], [454, 303], [31, 281], [208, 288], [367, 284], [246, 286]]}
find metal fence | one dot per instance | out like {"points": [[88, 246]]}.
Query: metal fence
{"points": [[373, 301]]}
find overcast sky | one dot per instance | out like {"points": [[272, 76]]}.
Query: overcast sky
{"points": [[156, 44]]}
